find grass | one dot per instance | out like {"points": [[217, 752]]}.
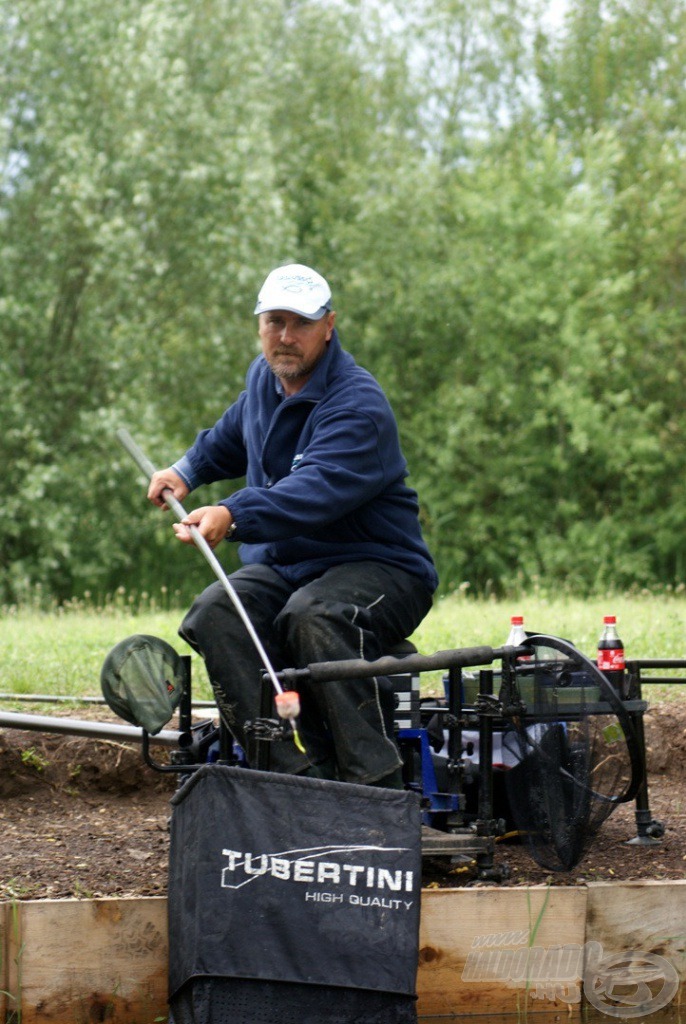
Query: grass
{"points": [[651, 625], [60, 651]]}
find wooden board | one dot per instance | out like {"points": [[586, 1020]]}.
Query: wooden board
{"points": [[638, 928], [89, 960], [477, 947], [484, 951], [649, 916], [5, 1006]]}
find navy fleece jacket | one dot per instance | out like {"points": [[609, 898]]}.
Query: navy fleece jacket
{"points": [[325, 476]]}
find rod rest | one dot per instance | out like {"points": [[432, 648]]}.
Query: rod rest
{"points": [[358, 668]]}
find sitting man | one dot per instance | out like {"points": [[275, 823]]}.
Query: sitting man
{"points": [[334, 563]]}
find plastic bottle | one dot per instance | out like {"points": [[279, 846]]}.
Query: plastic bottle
{"points": [[517, 637], [611, 654], [517, 634]]}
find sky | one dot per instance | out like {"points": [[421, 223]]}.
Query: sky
{"points": [[555, 11]]}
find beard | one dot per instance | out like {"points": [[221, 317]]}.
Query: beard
{"points": [[291, 366]]}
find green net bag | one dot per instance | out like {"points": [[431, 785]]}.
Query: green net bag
{"points": [[142, 681]]}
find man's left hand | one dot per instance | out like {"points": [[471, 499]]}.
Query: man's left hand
{"points": [[212, 522]]}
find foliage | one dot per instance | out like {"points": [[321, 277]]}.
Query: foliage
{"points": [[131, 134], [497, 204]]}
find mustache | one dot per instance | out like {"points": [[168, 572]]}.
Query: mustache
{"points": [[286, 352]]}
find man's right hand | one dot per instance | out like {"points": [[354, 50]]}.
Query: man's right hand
{"points": [[166, 479]]}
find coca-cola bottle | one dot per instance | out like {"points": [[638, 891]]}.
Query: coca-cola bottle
{"points": [[611, 654], [517, 637], [517, 634]]}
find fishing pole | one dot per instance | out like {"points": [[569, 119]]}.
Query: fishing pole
{"points": [[287, 701]]}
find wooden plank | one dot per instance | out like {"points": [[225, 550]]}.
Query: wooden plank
{"points": [[637, 926], [90, 960], [489, 950], [494, 950], [5, 1004]]}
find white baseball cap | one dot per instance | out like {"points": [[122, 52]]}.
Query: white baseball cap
{"points": [[295, 288]]}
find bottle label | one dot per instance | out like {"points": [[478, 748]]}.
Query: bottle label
{"points": [[611, 661]]}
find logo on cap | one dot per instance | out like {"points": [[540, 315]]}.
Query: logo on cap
{"points": [[295, 288]]}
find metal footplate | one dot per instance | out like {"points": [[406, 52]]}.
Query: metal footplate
{"points": [[445, 844]]}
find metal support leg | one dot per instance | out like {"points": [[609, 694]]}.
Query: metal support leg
{"points": [[486, 826], [455, 767], [184, 755], [648, 831]]}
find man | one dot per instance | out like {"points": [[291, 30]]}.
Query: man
{"points": [[335, 566]]}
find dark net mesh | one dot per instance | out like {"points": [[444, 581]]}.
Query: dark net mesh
{"points": [[573, 751], [245, 1001]]}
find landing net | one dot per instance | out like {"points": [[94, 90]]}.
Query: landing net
{"points": [[573, 750]]}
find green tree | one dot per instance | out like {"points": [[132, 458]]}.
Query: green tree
{"points": [[498, 207], [611, 85], [138, 209]]}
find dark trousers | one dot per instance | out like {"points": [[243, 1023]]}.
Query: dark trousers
{"points": [[356, 610]]}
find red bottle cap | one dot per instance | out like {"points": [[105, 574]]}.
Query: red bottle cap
{"points": [[610, 618], [517, 620]]}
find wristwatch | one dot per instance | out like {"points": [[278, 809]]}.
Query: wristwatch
{"points": [[231, 530]]}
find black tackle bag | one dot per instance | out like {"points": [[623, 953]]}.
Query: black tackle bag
{"points": [[292, 901]]}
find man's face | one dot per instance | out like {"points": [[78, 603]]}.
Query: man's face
{"points": [[293, 345]]}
